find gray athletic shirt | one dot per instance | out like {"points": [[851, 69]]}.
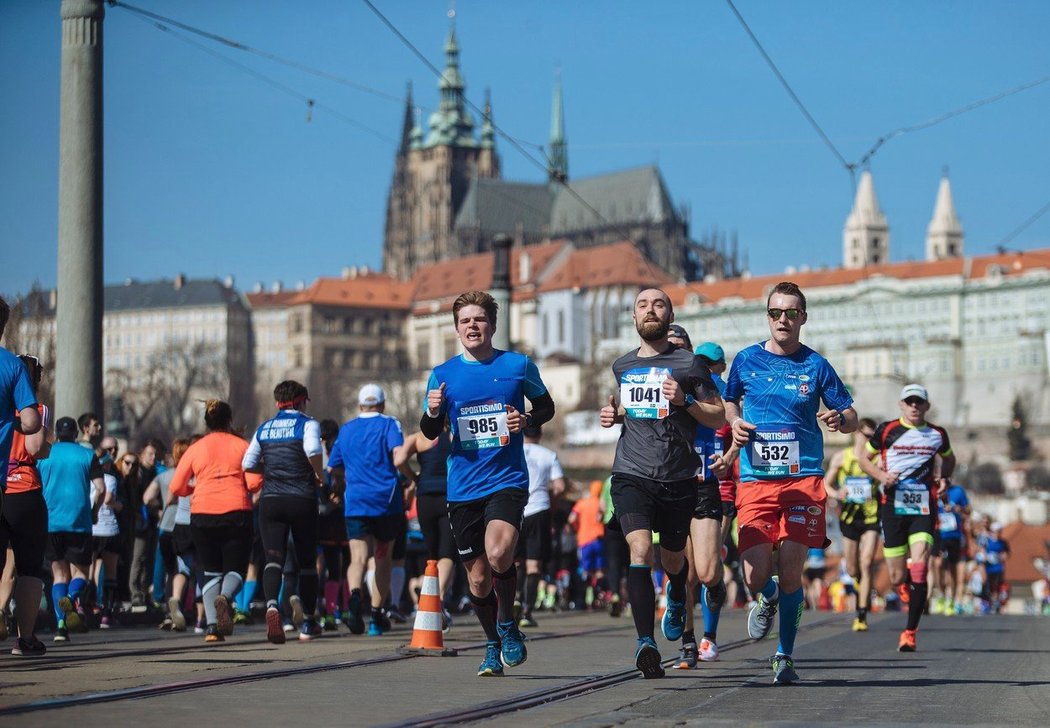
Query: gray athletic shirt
{"points": [[656, 440]]}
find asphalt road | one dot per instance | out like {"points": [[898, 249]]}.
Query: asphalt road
{"points": [[968, 671]]}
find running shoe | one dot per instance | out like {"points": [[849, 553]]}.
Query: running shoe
{"points": [[446, 620], [103, 621], [310, 630], [512, 651], [907, 642], [716, 596], [708, 650], [860, 625], [200, 626], [760, 619], [491, 665], [274, 629], [687, 657], [395, 615], [380, 618], [212, 634], [527, 621], [31, 647], [61, 634], [72, 620], [223, 615], [298, 616], [375, 629], [287, 626], [239, 617], [673, 623], [783, 669], [647, 658], [615, 606], [178, 619], [328, 623], [165, 625], [353, 620]]}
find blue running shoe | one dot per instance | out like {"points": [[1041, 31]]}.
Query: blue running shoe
{"points": [[647, 659], [513, 651], [673, 623], [491, 665], [375, 629]]}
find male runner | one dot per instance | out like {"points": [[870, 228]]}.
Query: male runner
{"points": [[953, 515], [286, 449], [481, 394], [781, 498], [907, 450], [664, 392], [859, 522], [546, 479]]}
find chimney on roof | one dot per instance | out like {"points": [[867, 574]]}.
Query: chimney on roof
{"points": [[228, 281], [258, 287], [501, 289], [349, 271], [524, 267], [300, 285], [276, 287], [364, 270], [180, 281]]}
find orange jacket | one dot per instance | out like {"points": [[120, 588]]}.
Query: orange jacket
{"points": [[221, 485]]}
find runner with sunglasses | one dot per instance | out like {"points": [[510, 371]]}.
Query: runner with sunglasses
{"points": [[908, 476], [781, 499]]}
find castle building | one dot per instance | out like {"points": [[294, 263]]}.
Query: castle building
{"points": [[448, 198]]}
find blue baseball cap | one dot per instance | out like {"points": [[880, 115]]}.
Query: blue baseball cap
{"points": [[710, 351]]}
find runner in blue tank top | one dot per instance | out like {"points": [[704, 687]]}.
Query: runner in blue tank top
{"points": [[481, 394]]}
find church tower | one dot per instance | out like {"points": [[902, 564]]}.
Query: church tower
{"points": [[432, 175], [944, 236], [866, 236]]}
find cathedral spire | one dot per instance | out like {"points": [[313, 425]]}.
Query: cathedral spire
{"points": [[451, 124], [488, 131], [409, 122], [558, 165], [944, 236], [866, 236]]}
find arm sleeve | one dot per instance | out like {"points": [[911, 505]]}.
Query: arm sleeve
{"points": [[253, 453], [542, 409], [832, 390], [734, 390], [311, 439]]}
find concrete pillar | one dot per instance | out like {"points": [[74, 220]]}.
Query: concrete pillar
{"points": [[501, 290], [78, 375]]}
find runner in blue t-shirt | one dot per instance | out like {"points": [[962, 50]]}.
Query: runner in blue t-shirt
{"points": [[953, 513], [481, 394]]}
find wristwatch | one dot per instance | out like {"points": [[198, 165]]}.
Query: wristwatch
{"points": [[690, 400]]}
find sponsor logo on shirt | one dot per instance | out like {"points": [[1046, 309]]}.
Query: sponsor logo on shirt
{"points": [[797, 519]]}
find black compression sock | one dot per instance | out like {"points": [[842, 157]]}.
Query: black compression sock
{"points": [[677, 584], [688, 637], [485, 608], [642, 595], [504, 584], [917, 604]]}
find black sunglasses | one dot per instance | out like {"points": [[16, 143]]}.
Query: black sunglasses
{"points": [[915, 401], [776, 313]]}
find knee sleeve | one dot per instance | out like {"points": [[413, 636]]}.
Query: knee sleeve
{"points": [[918, 572]]}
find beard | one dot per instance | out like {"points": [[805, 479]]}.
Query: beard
{"points": [[652, 330]]}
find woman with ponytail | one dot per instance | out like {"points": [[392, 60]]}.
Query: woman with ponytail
{"points": [[220, 514]]}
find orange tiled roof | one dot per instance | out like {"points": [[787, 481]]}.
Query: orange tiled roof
{"points": [[444, 281], [605, 265], [755, 288], [1026, 542], [374, 290]]}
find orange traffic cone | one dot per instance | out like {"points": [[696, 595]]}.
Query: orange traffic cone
{"points": [[426, 635]]}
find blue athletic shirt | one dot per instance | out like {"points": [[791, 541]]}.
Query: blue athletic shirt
{"points": [[781, 396], [950, 523], [485, 456], [707, 444], [67, 473], [994, 553], [363, 448], [16, 393]]}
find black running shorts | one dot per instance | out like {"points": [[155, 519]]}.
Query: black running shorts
{"points": [[68, 546], [535, 539], [470, 518], [651, 505]]}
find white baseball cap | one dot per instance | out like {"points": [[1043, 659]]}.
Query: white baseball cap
{"points": [[371, 395], [915, 390]]}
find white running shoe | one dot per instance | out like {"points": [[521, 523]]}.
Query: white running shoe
{"points": [[708, 650]]}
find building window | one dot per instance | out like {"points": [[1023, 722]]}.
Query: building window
{"points": [[546, 331], [297, 323], [297, 356], [423, 354], [561, 327]]}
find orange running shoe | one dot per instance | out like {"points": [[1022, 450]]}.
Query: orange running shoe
{"points": [[904, 593], [907, 643]]}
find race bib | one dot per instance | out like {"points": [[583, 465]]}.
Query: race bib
{"points": [[949, 522], [482, 426], [911, 499], [858, 489], [641, 393], [774, 452]]}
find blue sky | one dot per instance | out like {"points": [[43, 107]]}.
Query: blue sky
{"points": [[211, 172]]}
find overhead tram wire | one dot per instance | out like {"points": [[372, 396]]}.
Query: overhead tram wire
{"points": [[1024, 226], [310, 102], [237, 45], [513, 141]]}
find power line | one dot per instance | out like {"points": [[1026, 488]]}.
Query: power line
{"points": [[783, 81], [237, 45], [310, 102], [1024, 226], [545, 167]]}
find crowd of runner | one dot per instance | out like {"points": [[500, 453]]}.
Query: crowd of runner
{"points": [[718, 496]]}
